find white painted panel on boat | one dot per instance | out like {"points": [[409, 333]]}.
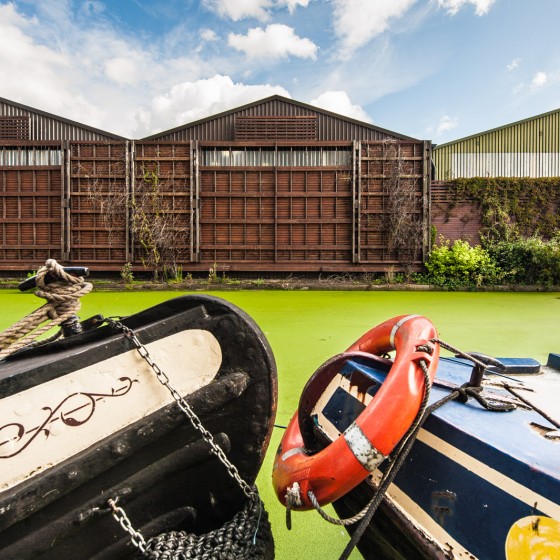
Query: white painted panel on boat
{"points": [[44, 425]]}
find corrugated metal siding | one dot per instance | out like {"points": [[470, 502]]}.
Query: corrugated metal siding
{"points": [[329, 128], [529, 148], [43, 127]]}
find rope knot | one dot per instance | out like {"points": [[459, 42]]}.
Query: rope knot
{"points": [[427, 348], [467, 391], [63, 303]]}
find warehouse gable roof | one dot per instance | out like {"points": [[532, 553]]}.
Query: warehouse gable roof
{"points": [[281, 100], [10, 108]]}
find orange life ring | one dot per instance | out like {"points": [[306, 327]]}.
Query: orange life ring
{"points": [[343, 464]]}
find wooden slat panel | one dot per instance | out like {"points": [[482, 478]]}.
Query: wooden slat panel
{"points": [[237, 216], [98, 202], [30, 208], [314, 216], [383, 167], [14, 128], [308, 217], [275, 128], [162, 191]]}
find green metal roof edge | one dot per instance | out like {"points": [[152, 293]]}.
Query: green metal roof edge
{"points": [[515, 123]]}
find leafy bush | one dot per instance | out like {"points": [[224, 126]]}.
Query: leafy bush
{"points": [[459, 265], [528, 261]]}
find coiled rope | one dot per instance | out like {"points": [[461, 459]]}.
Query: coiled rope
{"points": [[63, 302], [247, 535]]}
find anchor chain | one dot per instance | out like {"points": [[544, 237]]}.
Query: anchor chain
{"points": [[250, 492], [136, 538], [184, 406]]}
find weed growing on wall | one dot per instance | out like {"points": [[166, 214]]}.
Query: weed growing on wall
{"points": [[511, 207]]}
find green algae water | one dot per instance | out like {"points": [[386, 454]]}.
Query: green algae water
{"points": [[305, 328]]}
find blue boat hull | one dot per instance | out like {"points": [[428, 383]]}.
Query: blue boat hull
{"points": [[476, 483]]}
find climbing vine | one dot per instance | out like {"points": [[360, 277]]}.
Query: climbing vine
{"points": [[510, 207], [156, 225], [401, 221]]}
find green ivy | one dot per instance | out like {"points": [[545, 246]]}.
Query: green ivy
{"points": [[511, 207]]}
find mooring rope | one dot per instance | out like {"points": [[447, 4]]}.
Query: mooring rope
{"points": [[397, 458], [403, 449], [63, 302]]}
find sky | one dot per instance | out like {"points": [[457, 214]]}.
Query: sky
{"points": [[434, 70]]}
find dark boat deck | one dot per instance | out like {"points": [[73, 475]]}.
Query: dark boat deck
{"points": [[160, 468]]}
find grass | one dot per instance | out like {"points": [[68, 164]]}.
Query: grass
{"points": [[305, 328]]}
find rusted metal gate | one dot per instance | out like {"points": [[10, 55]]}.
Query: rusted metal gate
{"points": [[31, 193], [270, 206], [96, 203]]}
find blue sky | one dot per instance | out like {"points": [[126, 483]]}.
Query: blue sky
{"points": [[431, 69]]}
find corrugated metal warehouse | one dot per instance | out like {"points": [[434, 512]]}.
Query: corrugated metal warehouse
{"points": [[527, 148], [275, 185]]}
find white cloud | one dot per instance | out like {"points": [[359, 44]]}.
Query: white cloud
{"points": [[36, 74], [276, 41], [208, 35], [293, 4], [482, 7], [88, 72], [446, 123], [240, 9], [339, 102], [93, 7], [356, 22], [259, 9], [513, 64], [539, 80], [190, 101], [122, 70]]}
